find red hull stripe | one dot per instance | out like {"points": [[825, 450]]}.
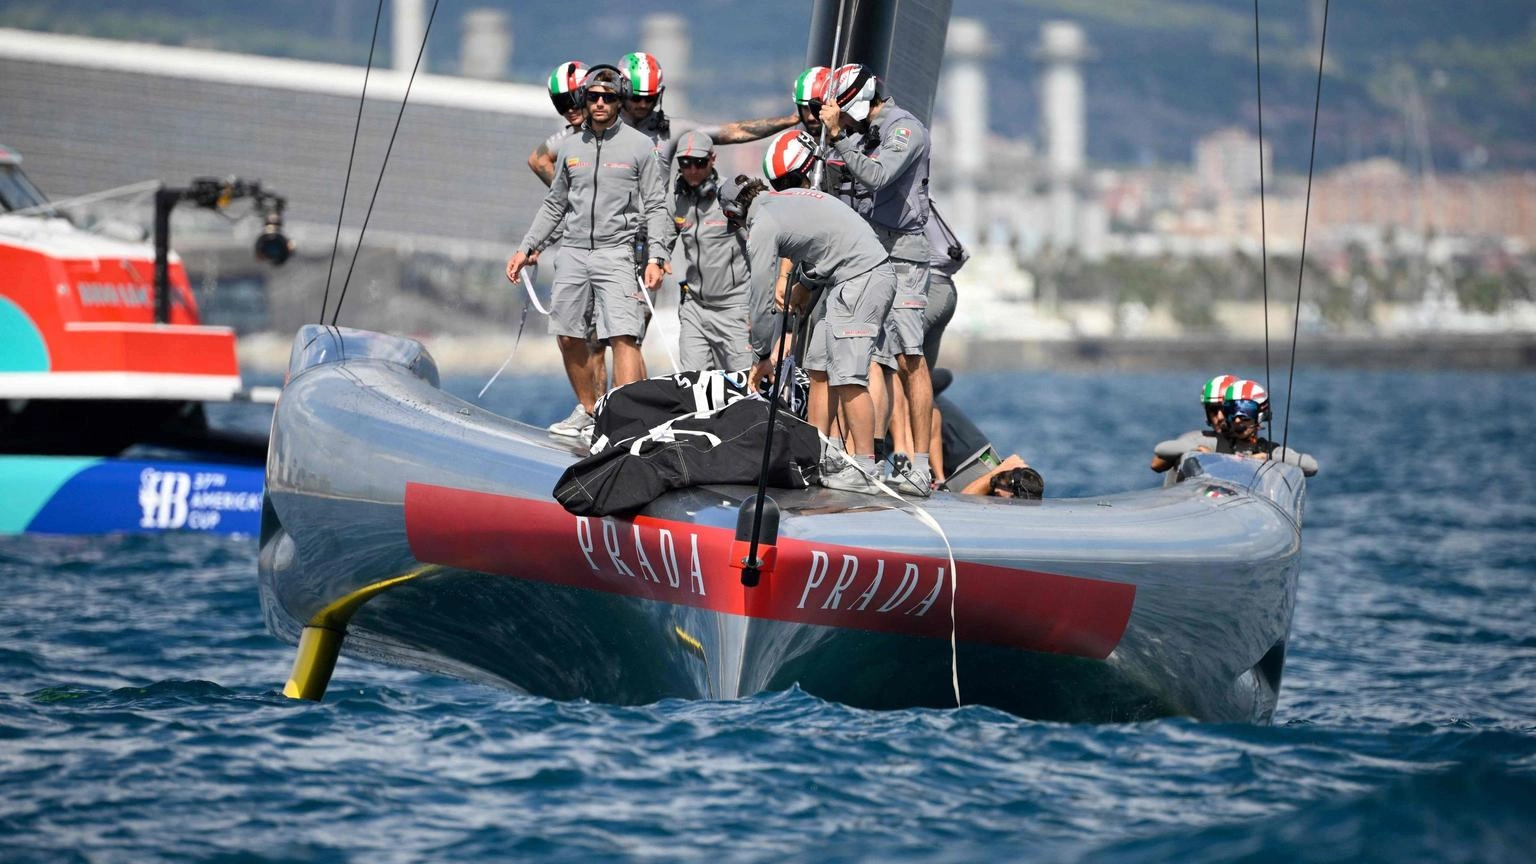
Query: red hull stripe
{"points": [[813, 583]]}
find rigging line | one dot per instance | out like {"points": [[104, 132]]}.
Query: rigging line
{"points": [[346, 184], [1301, 268], [1258, 83], [385, 164], [522, 322]]}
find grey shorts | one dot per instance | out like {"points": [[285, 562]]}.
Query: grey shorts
{"points": [[843, 343], [942, 301], [710, 338], [596, 287], [905, 326]]}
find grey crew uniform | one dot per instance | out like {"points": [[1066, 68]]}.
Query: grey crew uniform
{"points": [[889, 167], [712, 317], [838, 253], [664, 132], [607, 185]]}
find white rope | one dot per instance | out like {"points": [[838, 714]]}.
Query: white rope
{"points": [[528, 281], [927, 519], [645, 295], [533, 296]]}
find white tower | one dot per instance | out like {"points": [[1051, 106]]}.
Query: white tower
{"points": [[410, 27], [965, 100], [486, 45], [665, 36], [1062, 48]]}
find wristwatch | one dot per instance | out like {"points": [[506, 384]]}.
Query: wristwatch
{"points": [[659, 262]]}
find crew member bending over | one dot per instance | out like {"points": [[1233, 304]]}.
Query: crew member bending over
{"points": [[838, 254]]}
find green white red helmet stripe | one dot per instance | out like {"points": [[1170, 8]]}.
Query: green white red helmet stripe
{"points": [[1245, 389], [644, 73], [812, 84], [1215, 389], [788, 152], [566, 77]]}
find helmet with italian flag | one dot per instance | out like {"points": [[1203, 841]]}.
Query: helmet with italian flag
{"points": [[811, 86], [790, 154], [1215, 389], [642, 74], [563, 83], [1245, 398]]}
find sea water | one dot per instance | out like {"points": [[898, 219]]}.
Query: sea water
{"points": [[141, 719]]}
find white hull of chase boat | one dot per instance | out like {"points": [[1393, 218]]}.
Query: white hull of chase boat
{"points": [[406, 526]]}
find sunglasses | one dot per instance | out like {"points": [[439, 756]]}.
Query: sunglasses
{"points": [[692, 161], [636, 97], [605, 98]]}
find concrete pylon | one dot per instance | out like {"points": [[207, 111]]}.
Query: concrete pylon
{"points": [[665, 36], [410, 28], [965, 103], [1062, 48], [485, 48]]}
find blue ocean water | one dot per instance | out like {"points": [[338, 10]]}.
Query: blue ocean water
{"points": [[141, 719]]}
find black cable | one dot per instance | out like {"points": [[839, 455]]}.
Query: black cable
{"points": [[1301, 269], [773, 414], [347, 183], [380, 182], [1258, 83]]}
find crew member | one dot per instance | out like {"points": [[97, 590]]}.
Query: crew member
{"points": [[1245, 407], [1012, 479], [889, 158], [838, 254], [607, 182], [1166, 454], [564, 83], [712, 315]]}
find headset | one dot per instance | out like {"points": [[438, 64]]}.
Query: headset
{"points": [[704, 190]]}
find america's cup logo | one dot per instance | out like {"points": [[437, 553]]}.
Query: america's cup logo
{"points": [[163, 498]]}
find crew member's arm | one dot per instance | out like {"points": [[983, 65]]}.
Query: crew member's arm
{"points": [[899, 145], [742, 131], [660, 230], [1167, 453], [546, 222], [1304, 461], [983, 485], [763, 262], [542, 163]]}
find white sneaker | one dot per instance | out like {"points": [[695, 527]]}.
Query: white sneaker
{"points": [[572, 426], [849, 478], [908, 479], [912, 481]]}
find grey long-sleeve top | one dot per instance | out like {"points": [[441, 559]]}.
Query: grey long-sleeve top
{"points": [[820, 234], [717, 256], [896, 172], [606, 187]]}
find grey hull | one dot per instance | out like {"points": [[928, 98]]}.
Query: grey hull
{"points": [[424, 528]]}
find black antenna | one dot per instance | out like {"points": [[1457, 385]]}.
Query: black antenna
{"points": [[1258, 83], [387, 150], [1306, 212], [346, 184]]}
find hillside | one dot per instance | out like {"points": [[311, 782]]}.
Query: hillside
{"points": [[1164, 71]]}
